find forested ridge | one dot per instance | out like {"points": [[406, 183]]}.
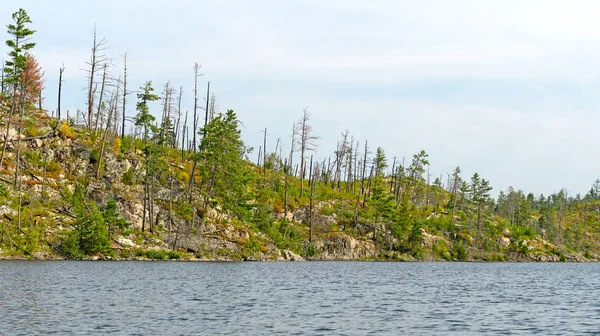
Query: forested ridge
{"points": [[180, 183]]}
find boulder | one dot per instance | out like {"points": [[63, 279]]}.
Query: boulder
{"points": [[503, 241], [125, 242], [291, 256]]}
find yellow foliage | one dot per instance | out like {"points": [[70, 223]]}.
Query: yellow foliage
{"points": [[31, 131], [278, 206], [183, 176], [66, 131], [117, 145]]}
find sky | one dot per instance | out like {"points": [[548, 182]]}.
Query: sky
{"points": [[507, 89]]}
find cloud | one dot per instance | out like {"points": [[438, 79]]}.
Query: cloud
{"points": [[507, 89]]}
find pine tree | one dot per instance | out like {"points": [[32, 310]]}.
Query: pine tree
{"points": [[224, 172], [14, 67], [145, 120]]}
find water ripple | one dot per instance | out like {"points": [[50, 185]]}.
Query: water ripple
{"points": [[317, 298]]}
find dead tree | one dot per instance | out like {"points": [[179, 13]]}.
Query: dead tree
{"points": [[61, 70], [183, 136], [456, 178], [124, 95], [206, 110], [96, 60], [113, 107], [100, 99], [311, 205], [307, 142], [213, 108], [195, 120], [340, 155], [286, 170], [177, 132], [265, 154], [195, 125], [364, 168]]}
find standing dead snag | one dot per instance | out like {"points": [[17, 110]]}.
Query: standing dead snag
{"points": [[265, 154], [96, 60], [312, 202], [307, 142], [206, 110], [194, 127], [177, 132], [61, 70], [456, 177], [124, 95], [195, 120], [100, 99]]}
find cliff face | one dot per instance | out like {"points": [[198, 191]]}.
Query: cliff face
{"points": [[58, 162]]}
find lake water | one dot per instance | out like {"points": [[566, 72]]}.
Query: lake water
{"points": [[313, 298]]}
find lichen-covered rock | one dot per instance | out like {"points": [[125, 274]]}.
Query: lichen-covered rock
{"points": [[291, 256]]}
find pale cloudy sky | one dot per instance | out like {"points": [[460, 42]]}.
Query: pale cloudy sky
{"points": [[508, 89]]}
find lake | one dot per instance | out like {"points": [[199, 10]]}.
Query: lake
{"points": [[312, 298]]}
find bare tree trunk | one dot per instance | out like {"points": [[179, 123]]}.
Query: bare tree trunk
{"points": [[8, 122], [100, 99], [364, 169], [311, 210], [427, 191], [265, 155], [44, 176], [177, 131], [393, 180], [454, 193], [2, 79], [196, 75], [95, 61], [110, 112], [285, 201], [10, 114], [61, 70], [183, 136], [124, 95], [368, 191], [206, 111]]}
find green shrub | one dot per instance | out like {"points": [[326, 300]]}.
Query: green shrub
{"points": [[496, 257], [459, 252], [69, 245], [128, 176], [157, 254], [310, 250], [440, 249], [94, 156], [90, 234]]}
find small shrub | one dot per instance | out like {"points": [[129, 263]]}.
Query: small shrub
{"points": [[94, 156], [66, 131], [31, 131], [310, 250], [501, 257], [459, 252], [53, 167], [157, 254], [116, 147], [32, 182], [440, 249], [69, 245], [128, 176]]}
